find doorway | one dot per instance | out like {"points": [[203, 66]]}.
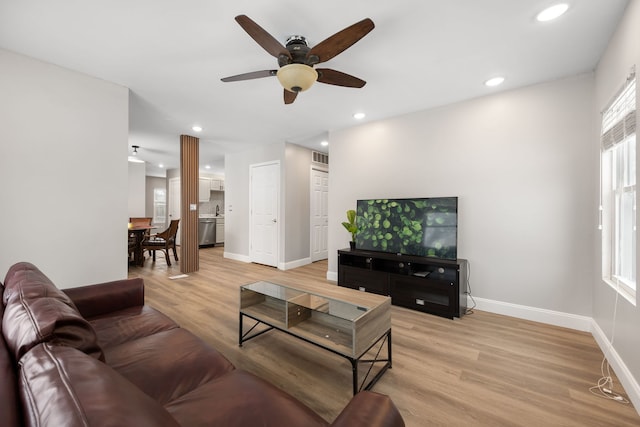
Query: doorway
{"points": [[264, 208], [319, 210]]}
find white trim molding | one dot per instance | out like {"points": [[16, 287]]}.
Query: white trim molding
{"points": [[236, 257], [294, 264], [629, 383], [542, 315]]}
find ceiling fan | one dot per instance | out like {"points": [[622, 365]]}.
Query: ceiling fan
{"points": [[297, 60]]}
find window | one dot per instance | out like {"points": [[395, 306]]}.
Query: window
{"points": [[159, 206], [618, 191]]}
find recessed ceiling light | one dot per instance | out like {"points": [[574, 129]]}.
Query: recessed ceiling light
{"points": [[196, 128], [359, 116], [324, 143], [207, 167], [494, 81], [160, 165], [552, 12]]}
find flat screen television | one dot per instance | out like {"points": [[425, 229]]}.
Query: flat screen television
{"points": [[425, 227]]}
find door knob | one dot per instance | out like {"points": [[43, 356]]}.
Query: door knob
{"points": [[274, 220]]}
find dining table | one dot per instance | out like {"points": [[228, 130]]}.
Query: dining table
{"points": [[139, 231]]}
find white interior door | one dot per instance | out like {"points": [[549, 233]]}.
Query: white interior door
{"points": [[174, 203], [265, 200], [319, 214]]}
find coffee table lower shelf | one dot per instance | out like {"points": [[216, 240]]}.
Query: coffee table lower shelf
{"points": [[355, 361]]}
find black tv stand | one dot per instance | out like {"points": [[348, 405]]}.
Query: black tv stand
{"points": [[430, 285]]}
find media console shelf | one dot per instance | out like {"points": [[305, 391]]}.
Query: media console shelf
{"points": [[431, 285]]}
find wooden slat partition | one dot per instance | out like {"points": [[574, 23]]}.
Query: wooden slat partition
{"points": [[189, 174]]}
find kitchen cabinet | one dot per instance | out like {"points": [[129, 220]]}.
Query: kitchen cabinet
{"points": [[204, 189], [217, 184]]}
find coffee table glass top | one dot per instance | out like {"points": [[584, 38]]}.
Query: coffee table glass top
{"points": [[333, 307]]}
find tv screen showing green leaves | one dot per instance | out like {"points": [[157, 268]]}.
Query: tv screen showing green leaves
{"points": [[422, 227]]}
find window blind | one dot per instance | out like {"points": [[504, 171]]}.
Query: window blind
{"points": [[619, 120]]}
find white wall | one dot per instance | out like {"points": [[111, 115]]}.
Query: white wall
{"points": [[297, 205], [59, 211], [622, 53], [521, 163], [137, 190]]}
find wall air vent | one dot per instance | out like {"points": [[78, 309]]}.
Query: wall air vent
{"points": [[318, 157]]}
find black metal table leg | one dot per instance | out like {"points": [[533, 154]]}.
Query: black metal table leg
{"points": [[245, 336], [389, 348], [354, 369]]}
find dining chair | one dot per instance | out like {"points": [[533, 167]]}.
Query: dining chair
{"points": [[164, 241]]}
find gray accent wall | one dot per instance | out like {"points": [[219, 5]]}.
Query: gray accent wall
{"points": [[237, 192], [297, 208], [295, 170]]}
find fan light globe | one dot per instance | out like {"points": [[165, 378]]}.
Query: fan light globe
{"points": [[297, 77]]}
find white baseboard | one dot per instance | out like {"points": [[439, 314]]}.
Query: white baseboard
{"points": [[332, 276], [294, 264], [631, 386], [557, 318], [236, 257], [281, 266]]}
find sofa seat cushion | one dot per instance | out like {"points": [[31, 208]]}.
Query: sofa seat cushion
{"points": [[242, 399], [61, 386], [36, 312], [129, 324], [168, 364]]}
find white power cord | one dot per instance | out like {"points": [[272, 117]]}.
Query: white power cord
{"points": [[604, 387], [469, 310]]}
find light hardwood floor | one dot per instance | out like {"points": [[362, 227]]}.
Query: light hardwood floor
{"points": [[481, 370]]}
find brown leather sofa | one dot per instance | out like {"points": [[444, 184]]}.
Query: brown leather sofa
{"points": [[98, 356]]}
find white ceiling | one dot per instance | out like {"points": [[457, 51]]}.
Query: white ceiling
{"points": [[422, 53]]}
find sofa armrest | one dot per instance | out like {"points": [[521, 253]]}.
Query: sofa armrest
{"points": [[369, 409], [102, 298]]}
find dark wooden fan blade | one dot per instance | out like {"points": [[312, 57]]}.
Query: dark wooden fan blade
{"points": [[338, 78], [289, 97], [340, 41], [251, 75], [264, 39]]}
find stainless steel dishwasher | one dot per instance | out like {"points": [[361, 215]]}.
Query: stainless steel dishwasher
{"points": [[206, 231]]}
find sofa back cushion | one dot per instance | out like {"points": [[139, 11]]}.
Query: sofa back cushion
{"points": [[36, 311], [61, 386], [9, 409]]}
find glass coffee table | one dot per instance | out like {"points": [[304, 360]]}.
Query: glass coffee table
{"points": [[349, 323]]}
